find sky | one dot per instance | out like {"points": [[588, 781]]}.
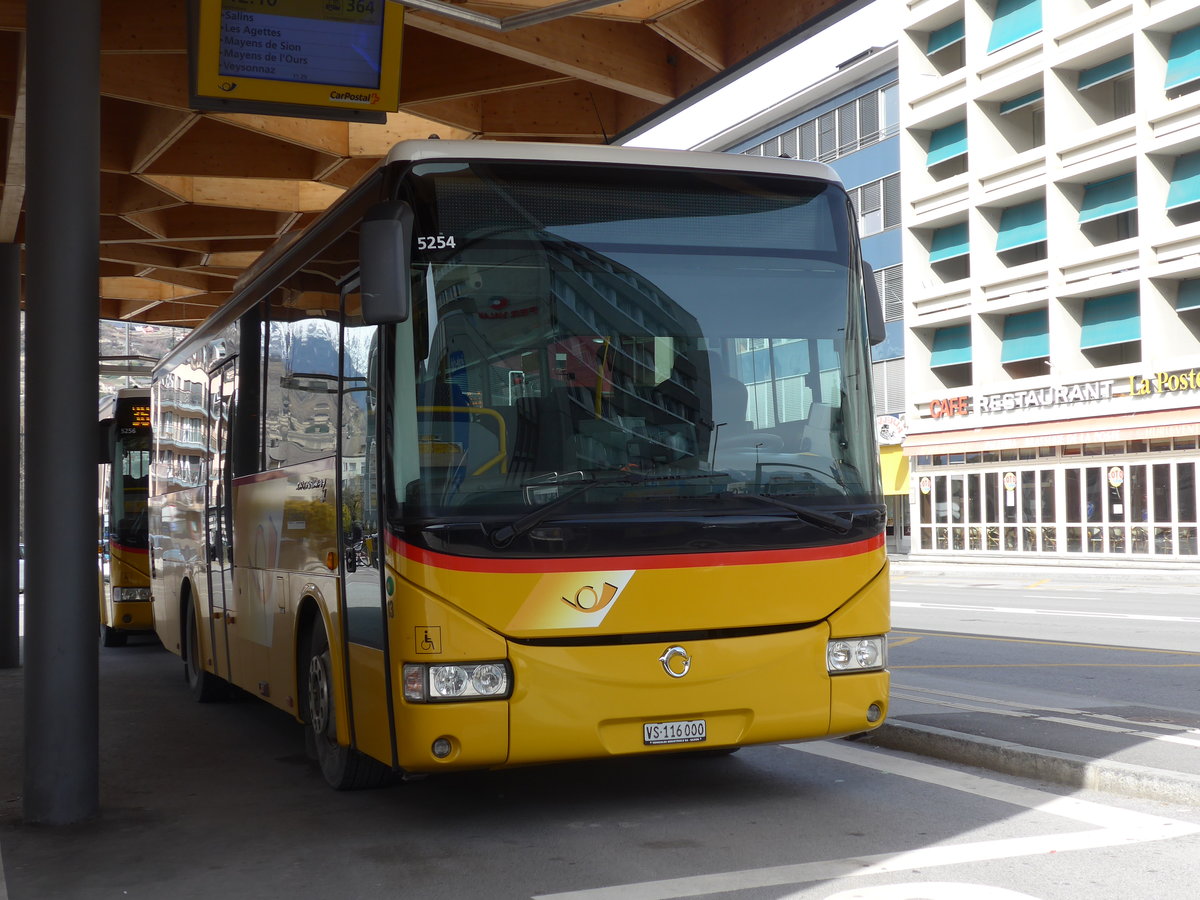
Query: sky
{"points": [[875, 25]]}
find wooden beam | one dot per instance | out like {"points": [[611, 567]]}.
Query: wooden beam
{"points": [[699, 30], [315, 134], [217, 149], [12, 15], [12, 196], [753, 25], [120, 194], [140, 289], [133, 26], [464, 114], [160, 79], [133, 134], [376, 140], [576, 111], [196, 222], [437, 68], [149, 255], [622, 57]]}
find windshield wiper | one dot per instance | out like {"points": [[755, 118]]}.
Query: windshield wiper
{"points": [[506, 534], [835, 523]]}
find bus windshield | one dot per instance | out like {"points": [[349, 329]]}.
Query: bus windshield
{"points": [[620, 341]]}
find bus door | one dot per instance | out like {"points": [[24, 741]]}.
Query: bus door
{"points": [[360, 535], [219, 513]]}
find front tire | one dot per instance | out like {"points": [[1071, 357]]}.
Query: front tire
{"points": [[343, 768], [204, 686]]}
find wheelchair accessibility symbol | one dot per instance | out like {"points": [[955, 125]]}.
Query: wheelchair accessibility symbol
{"points": [[428, 638]]}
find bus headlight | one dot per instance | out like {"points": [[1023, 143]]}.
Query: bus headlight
{"points": [[125, 595], [438, 682], [856, 654]]}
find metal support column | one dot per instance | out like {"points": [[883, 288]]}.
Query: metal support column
{"points": [[62, 746], [10, 452]]}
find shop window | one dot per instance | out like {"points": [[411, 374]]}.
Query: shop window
{"points": [[1187, 541], [1047, 452], [1074, 540], [1116, 540], [991, 488], [1094, 496], [975, 537], [1188, 443], [1047, 489], [1139, 539], [1112, 448], [1185, 491], [1135, 446], [1160, 445], [1049, 540], [1162, 492], [1073, 495], [1164, 541], [991, 456], [1137, 494]]}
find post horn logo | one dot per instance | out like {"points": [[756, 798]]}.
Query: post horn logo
{"points": [[675, 661]]}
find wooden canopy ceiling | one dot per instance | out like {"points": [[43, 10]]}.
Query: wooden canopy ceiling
{"points": [[190, 199]]}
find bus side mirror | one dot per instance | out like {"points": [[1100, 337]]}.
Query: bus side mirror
{"points": [[876, 331], [384, 244], [106, 440]]}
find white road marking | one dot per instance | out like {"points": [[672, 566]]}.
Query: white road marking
{"points": [[1111, 827], [1029, 611], [1110, 723], [927, 890]]}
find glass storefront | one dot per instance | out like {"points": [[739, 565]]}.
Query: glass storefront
{"points": [[1128, 499]]}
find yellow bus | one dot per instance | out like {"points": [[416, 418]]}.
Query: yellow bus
{"points": [[524, 453], [124, 579]]}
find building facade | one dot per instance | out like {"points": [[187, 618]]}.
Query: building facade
{"points": [[1050, 160], [850, 121]]}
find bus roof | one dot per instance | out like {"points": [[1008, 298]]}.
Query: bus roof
{"points": [[268, 271], [416, 151]]}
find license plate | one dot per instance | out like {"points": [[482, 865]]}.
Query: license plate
{"points": [[689, 732]]}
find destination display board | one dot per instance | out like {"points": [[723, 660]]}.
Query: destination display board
{"points": [[322, 58]]}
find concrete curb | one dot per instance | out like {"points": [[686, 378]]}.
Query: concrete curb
{"points": [[1044, 765]]}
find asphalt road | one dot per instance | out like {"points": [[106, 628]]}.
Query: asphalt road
{"points": [[219, 800]]}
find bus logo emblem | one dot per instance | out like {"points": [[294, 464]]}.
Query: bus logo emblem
{"points": [[675, 661]]}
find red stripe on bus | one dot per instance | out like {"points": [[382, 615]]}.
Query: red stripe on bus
{"points": [[125, 548], [665, 561]]}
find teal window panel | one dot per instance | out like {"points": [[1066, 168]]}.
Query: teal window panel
{"points": [[949, 242], [1111, 320], [1021, 102], [951, 346], [1114, 68], [944, 37], [1109, 197], [1022, 225], [1189, 295], [947, 143], [1013, 20], [1026, 336], [1183, 59], [1185, 181]]}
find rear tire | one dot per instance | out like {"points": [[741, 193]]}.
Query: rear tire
{"points": [[343, 768], [204, 686]]}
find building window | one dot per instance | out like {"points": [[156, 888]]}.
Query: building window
{"points": [[1021, 237], [1012, 21], [1108, 212], [839, 132], [1106, 90], [1111, 330], [1183, 62], [945, 47], [950, 252], [877, 205]]}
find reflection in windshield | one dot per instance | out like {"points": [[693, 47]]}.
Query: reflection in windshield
{"points": [[677, 342]]}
